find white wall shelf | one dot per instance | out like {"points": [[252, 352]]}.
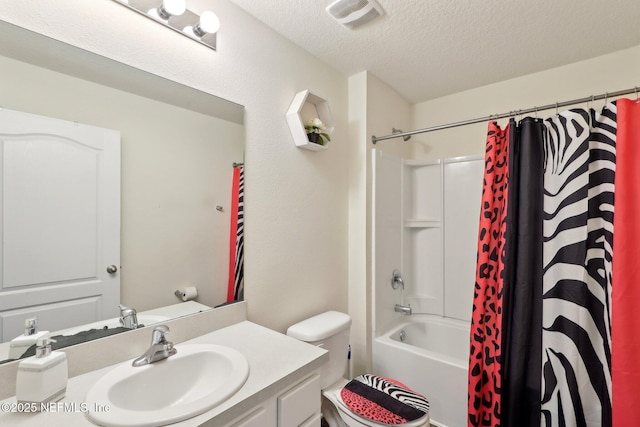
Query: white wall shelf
{"points": [[304, 107]]}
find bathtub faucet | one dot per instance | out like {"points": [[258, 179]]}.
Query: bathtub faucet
{"points": [[404, 309]]}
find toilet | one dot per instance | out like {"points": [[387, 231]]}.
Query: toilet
{"points": [[367, 400]]}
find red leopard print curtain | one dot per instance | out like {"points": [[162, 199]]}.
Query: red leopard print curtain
{"points": [[484, 359]]}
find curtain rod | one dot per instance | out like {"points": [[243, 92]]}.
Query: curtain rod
{"points": [[556, 105]]}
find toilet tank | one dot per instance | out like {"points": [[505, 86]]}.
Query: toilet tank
{"points": [[330, 331]]}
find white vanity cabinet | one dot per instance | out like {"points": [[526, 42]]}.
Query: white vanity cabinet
{"points": [[297, 406], [314, 421], [299, 403], [263, 416]]}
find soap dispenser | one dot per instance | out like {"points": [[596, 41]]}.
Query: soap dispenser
{"points": [[19, 345], [43, 377]]}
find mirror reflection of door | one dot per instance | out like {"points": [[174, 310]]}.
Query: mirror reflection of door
{"points": [[60, 222]]}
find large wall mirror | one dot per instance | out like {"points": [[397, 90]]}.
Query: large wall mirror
{"points": [[179, 147]]}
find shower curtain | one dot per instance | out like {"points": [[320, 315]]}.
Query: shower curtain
{"points": [[561, 276], [580, 153], [626, 269], [522, 314], [235, 285], [485, 352]]}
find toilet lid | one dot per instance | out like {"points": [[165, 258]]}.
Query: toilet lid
{"points": [[383, 400]]}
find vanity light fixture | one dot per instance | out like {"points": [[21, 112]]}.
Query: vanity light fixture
{"points": [[174, 14], [209, 24], [170, 8]]}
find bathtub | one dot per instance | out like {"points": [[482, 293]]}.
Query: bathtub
{"points": [[429, 354]]}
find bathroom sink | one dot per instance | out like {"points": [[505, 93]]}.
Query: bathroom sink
{"points": [[196, 379]]}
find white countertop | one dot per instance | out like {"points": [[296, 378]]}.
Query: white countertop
{"points": [[275, 362]]}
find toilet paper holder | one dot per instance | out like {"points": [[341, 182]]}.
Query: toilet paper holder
{"points": [[186, 294]]}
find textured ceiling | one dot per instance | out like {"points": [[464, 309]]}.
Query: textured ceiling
{"points": [[429, 48]]}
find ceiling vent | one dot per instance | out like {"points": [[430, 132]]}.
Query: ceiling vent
{"points": [[354, 13]]}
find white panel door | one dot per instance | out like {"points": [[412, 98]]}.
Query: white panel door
{"points": [[60, 222]]}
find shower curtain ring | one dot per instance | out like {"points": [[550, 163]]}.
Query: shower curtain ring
{"points": [[536, 112], [557, 115], [636, 90]]}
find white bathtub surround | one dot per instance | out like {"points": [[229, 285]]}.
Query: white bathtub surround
{"points": [[425, 224], [432, 360]]}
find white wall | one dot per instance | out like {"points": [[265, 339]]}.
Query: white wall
{"points": [[296, 200], [359, 294], [374, 109], [607, 73]]}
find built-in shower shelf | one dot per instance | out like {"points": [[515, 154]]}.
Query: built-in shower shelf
{"points": [[419, 163], [304, 107], [421, 223]]}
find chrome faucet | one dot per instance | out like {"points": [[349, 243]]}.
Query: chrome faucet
{"points": [[404, 309], [128, 317], [160, 348]]}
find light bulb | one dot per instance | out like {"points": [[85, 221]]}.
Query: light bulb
{"points": [[171, 8], [209, 24]]}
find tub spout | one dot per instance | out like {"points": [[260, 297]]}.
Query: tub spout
{"points": [[404, 309]]}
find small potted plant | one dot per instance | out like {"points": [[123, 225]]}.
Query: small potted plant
{"points": [[316, 132]]}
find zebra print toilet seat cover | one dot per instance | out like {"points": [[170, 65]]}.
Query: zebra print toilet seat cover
{"points": [[383, 400]]}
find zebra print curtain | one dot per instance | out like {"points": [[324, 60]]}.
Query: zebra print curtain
{"points": [[579, 174], [235, 283], [554, 343], [238, 269]]}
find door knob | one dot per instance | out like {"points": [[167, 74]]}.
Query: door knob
{"points": [[112, 269]]}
